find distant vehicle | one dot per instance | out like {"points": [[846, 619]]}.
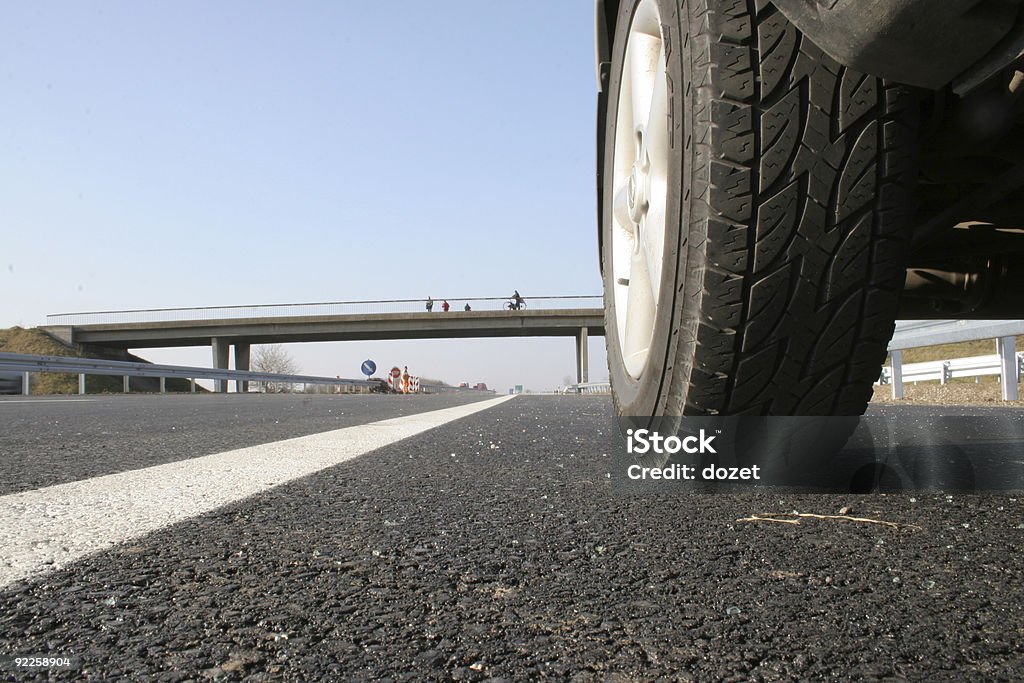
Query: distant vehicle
{"points": [[10, 382], [463, 385], [772, 195], [480, 386]]}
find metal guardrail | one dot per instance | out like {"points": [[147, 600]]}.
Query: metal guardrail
{"points": [[449, 389], [589, 388], [145, 315], [943, 371], [910, 334], [14, 362]]}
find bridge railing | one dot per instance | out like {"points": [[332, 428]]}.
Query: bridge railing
{"points": [[326, 308]]}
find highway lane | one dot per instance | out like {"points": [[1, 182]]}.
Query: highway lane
{"points": [[495, 548], [56, 440]]}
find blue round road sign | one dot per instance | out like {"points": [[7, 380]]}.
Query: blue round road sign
{"points": [[369, 367]]}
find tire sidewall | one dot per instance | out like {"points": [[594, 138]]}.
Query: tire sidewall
{"points": [[648, 395]]}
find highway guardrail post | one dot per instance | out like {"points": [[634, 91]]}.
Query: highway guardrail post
{"points": [[81, 384], [1006, 348], [127, 383], [26, 389], [897, 374]]}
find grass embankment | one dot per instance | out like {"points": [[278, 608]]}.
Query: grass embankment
{"points": [[38, 343], [962, 391]]}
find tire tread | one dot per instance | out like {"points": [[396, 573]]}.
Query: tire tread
{"points": [[801, 183]]}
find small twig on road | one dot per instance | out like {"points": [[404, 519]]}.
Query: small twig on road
{"points": [[755, 518], [778, 517]]}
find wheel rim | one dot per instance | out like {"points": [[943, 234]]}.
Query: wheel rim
{"points": [[639, 187]]}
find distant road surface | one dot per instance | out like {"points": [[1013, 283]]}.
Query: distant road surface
{"points": [[485, 545]]}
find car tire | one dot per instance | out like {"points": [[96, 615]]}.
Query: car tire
{"points": [[755, 198]]}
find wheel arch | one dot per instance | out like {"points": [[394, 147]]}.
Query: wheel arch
{"points": [[916, 42]]}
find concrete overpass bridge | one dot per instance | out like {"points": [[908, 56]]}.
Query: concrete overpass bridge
{"points": [[336, 321]]}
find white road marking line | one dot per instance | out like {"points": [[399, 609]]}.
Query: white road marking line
{"points": [[42, 530]]}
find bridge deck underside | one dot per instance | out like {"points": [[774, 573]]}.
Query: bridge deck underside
{"points": [[549, 323]]}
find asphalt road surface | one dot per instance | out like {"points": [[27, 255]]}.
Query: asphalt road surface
{"points": [[46, 441], [491, 547]]}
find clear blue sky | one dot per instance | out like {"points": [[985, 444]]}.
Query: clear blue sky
{"points": [[199, 154]]}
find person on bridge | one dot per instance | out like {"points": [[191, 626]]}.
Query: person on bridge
{"points": [[430, 304], [517, 301], [445, 307], [467, 307]]}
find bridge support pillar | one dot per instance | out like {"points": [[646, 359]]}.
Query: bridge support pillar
{"points": [[220, 362], [582, 373], [242, 363]]}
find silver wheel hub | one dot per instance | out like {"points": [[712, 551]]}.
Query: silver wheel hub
{"points": [[639, 187], [637, 195]]}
